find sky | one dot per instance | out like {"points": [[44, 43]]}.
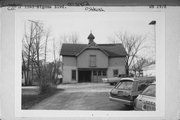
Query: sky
{"points": [[103, 26]]}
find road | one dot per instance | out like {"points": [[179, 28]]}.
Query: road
{"points": [[81, 96]]}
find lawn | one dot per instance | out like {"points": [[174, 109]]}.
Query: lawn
{"points": [[29, 100]]}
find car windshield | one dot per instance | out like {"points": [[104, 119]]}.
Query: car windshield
{"points": [[150, 91], [125, 85]]}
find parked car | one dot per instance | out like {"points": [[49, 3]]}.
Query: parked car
{"points": [[113, 80], [127, 89], [147, 100]]}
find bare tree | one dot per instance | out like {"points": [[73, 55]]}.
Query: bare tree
{"points": [[32, 46], [54, 65], [34, 55], [38, 46], [74, 38], [71, 38], [46, 41], [24, 68], [132, 44], [54, 50], [28, 41], [140, 63]]}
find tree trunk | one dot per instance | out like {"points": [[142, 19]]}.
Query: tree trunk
{"points": [[32, 78], [127, 69]]}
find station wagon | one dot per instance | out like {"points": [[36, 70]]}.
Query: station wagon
{"points": [[127, 89]]}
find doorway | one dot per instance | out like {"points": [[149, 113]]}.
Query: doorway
{"points": [[84, 76]]}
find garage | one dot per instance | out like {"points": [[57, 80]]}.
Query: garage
{"points": [[84, 76]]}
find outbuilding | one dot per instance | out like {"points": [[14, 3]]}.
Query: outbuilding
{"points": [[91, 62]]}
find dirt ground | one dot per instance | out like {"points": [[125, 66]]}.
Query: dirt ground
{"points": [[81, 96]]}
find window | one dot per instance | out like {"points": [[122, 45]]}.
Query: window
{"points": [[92, 60], [73, 74], [115, 73], [125, 85], [104, 73], [99, 73], [150, 91], [142, 86], [94, 73]]}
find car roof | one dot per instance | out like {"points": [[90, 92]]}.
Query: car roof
{"points": [[128, 78], [138, 78]]}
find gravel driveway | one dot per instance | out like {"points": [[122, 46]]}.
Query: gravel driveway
{"points": [[81, 96]]}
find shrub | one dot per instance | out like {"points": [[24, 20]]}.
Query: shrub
{"points": [[46, 82]]}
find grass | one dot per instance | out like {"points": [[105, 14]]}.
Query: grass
{"points": [[30, 100]]}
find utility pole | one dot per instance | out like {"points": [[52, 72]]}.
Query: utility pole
{"points": [[153, 22]]}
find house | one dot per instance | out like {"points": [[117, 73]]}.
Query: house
{"points": [[91, 62]]}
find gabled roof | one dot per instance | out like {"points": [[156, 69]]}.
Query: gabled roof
{"points": [[113, 50], [92, 45]]}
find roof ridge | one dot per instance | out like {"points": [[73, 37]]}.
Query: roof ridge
{"points": [[111, 44], [97, 44], [75, 43]]}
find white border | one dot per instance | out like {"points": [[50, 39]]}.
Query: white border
{"points": [[160, 78]]}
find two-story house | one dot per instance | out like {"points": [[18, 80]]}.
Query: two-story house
{"points": [[91, 62]]}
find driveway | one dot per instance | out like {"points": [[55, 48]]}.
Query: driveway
{"points": [[81, 96]]}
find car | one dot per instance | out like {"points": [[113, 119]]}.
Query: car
{"points": [[111, 81], [146, 101], [114, 80], [127, 89]]}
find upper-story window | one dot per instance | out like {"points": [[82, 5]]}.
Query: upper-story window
{"points": [[92, 61]]}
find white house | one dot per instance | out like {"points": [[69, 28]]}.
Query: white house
{"points": [[91, 62]]}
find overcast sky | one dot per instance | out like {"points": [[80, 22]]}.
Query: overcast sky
{"points": [[103, 25]]}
